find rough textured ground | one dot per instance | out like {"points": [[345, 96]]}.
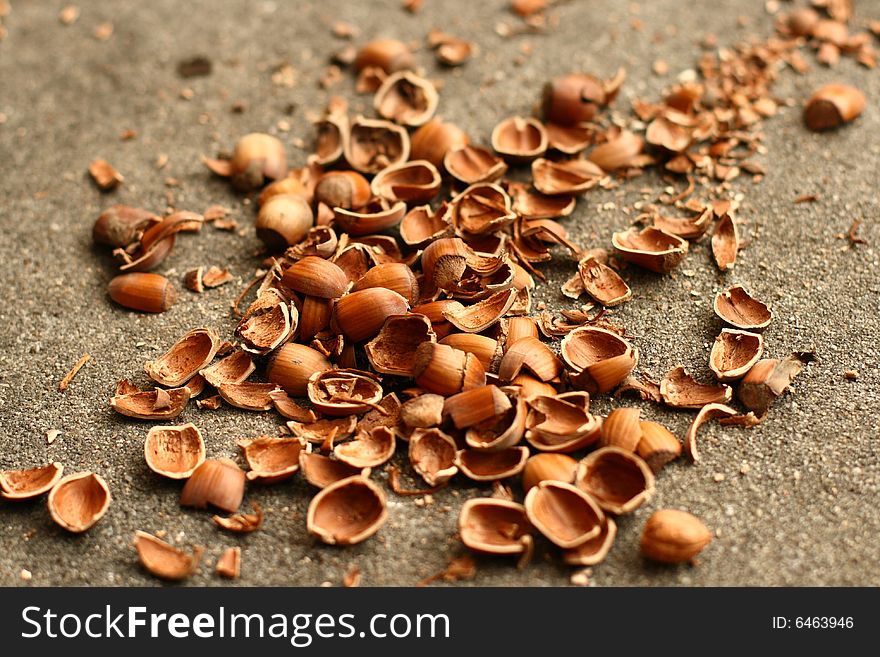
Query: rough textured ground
{"points": [[806, 512]]}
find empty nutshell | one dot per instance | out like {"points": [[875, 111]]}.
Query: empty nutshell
{"points": [[432, 454], [650, 248], [595, 550], [519, 139], [347, 511], [218, 483], [680, 390], [406, 98], [566, 515], [600, 359], [673, 536], [322, 471], [183, 360], [493, 526], [480, 465], [561, 422], [30, 483], [174, 451], [369, 449], [734, 352], [272, 459], [737, 308], [78, 501], [619, 480], [166, 561]]}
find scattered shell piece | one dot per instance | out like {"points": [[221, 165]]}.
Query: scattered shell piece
{"points": [[272, 459], [166, 561], [423, 412], [373, 145], [432, 454], [229, 563], [268, 322], [680, 390], [62, 386], [767, 380], [248, 395], [406, 98], [601, 359], [341, 392], [106, 177], [519, 139], [324, 431], [492, 526], [322, 471], [734, 352], [219, 483], [27, 484], [595, 550], [185, 358], [156, 404], [707, 412], [369, 449], [565, 178], [241, 523], [174, 451], [650, 248], [561, 423], [603, 283], [491, 466], [473, 164], [566, 515], [347, 512], [234, 368], [416, 181], [617, 479], [738, 308], [78, 501], [725, 243]]}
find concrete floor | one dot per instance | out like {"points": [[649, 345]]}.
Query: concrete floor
{"points": [[806, 513]]}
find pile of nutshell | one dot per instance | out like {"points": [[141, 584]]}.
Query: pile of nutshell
{"points": [[395, 311]]}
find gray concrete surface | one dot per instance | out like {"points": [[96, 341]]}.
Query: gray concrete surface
{"points": [[806, 513]]}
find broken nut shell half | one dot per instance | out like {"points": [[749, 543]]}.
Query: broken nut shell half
{"points": [[347, 512], [78, 501]]}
